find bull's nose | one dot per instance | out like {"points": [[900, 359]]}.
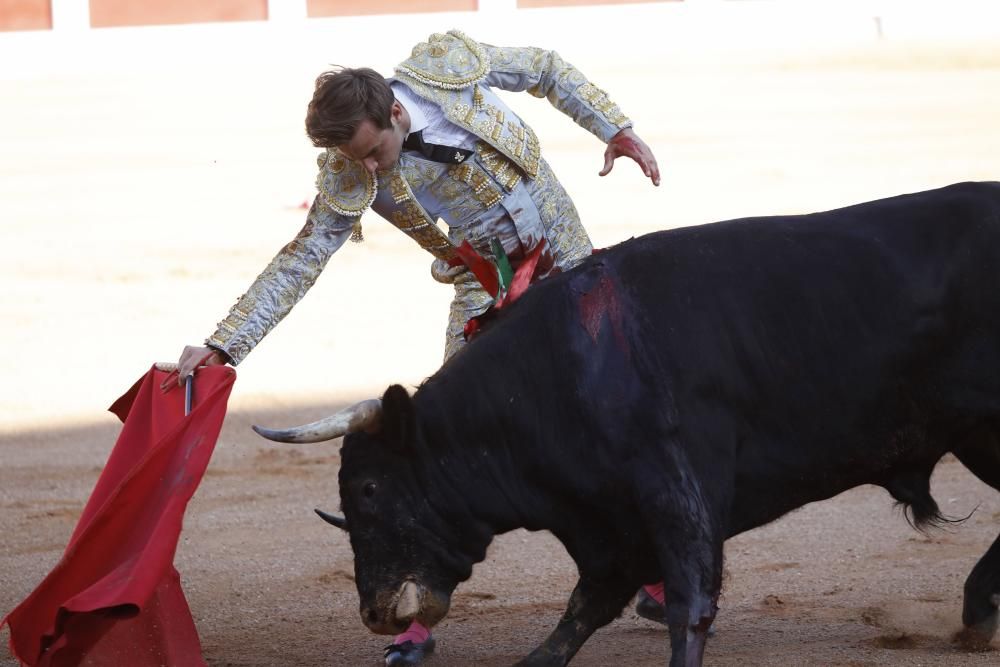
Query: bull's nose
{"points": [[379, 624]]}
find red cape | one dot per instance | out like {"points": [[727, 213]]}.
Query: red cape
{"points": [[115, 598]]}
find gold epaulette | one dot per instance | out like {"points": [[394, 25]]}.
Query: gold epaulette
{"points": [[344, 185], [451, 61]]}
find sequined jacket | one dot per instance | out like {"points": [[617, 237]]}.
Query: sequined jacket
{"points": [[458, 74]]}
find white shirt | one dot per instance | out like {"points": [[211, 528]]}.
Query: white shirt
{"points": [[437, 129], [429, 117]]}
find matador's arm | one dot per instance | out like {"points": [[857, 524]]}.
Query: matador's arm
{"points": [[283, 283], [346, 191], [544, 73]]}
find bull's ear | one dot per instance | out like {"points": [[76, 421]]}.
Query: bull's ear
{"points": [[398, 417]]}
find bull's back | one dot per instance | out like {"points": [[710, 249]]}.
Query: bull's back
{"points": [[747, 309], [811, 336], [824, 339], [789, 335], [784, 290]]}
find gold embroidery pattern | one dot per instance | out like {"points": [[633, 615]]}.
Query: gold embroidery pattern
{"points": [[490, 125], [470, 300], [452, 61], [518, 143], [357, 233], [512, 59], [344, 185], [419, 173], [599, 99], [482, 189], [568, 238], [236, 318], [523, 144], [464, 193], [498, 166], [412, 220]]}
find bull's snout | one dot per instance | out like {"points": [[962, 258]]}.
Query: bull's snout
{"points": [[393, 613], [370, 617]]}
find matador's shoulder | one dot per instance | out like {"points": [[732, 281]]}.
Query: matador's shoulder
{"points": [[343, 184], [452, 61]]}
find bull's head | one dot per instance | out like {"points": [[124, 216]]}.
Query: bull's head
{"points": [[408, 558]]}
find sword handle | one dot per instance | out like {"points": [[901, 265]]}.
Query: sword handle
{"points": [[188, 393]]}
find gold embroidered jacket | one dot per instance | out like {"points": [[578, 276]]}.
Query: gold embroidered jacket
{"points": [[458, 74]]}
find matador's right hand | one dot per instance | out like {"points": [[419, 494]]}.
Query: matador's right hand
{"points": [[194, 356], [628, 143]]}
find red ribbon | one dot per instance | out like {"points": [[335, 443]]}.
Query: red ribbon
{"points": [[525, 274]]}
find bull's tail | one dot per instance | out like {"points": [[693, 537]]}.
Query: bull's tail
{"points": [[912, 491]]}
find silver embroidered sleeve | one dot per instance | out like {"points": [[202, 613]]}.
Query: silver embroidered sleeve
{"points": [[283, 283], [545, 74]]}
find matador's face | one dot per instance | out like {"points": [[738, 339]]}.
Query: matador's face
{"points": [[375, 149]]}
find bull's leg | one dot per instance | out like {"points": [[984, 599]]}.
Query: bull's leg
{"points": [[980, 613], [692, 581], [688, 535], [593, 604]]}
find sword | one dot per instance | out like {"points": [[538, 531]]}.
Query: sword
{"points": [[168, 384], [188, 394], [171, 369]]}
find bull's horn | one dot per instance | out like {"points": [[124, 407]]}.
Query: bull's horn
{"points": [[349, 420], [338, 521], [408, 605]]}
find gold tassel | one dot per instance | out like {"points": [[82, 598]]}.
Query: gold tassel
{"points": [[356, 235]]}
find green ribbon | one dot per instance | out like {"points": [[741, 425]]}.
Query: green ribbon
{"points": [[504, 270]]}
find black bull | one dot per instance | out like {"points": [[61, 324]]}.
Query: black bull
{"points": [[684, 387]]}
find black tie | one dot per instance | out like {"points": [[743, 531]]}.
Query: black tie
{"points": [[447, 154]]}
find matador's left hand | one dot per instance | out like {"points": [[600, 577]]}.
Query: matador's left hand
{"points": [[627, 143]]}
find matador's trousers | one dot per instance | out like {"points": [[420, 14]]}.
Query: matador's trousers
{"points": [[566, 236]]}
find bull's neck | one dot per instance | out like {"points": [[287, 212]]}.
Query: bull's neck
{"points": [[475, 464]]}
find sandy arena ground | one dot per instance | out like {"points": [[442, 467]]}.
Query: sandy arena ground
{"points": [[140, 194]]}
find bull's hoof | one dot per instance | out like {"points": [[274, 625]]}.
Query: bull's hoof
{"points": [[408, 653], [976, 636], [542, 658], [974, 639]]}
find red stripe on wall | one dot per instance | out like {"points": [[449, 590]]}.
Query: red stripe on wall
{"points": [[115, 13], [318, 8], [528, 4], [25, 15]]}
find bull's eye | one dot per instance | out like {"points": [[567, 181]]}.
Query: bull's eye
{"points": [[369, 489]]}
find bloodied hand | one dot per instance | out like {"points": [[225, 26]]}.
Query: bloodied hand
{"points": [[627, 143]]}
